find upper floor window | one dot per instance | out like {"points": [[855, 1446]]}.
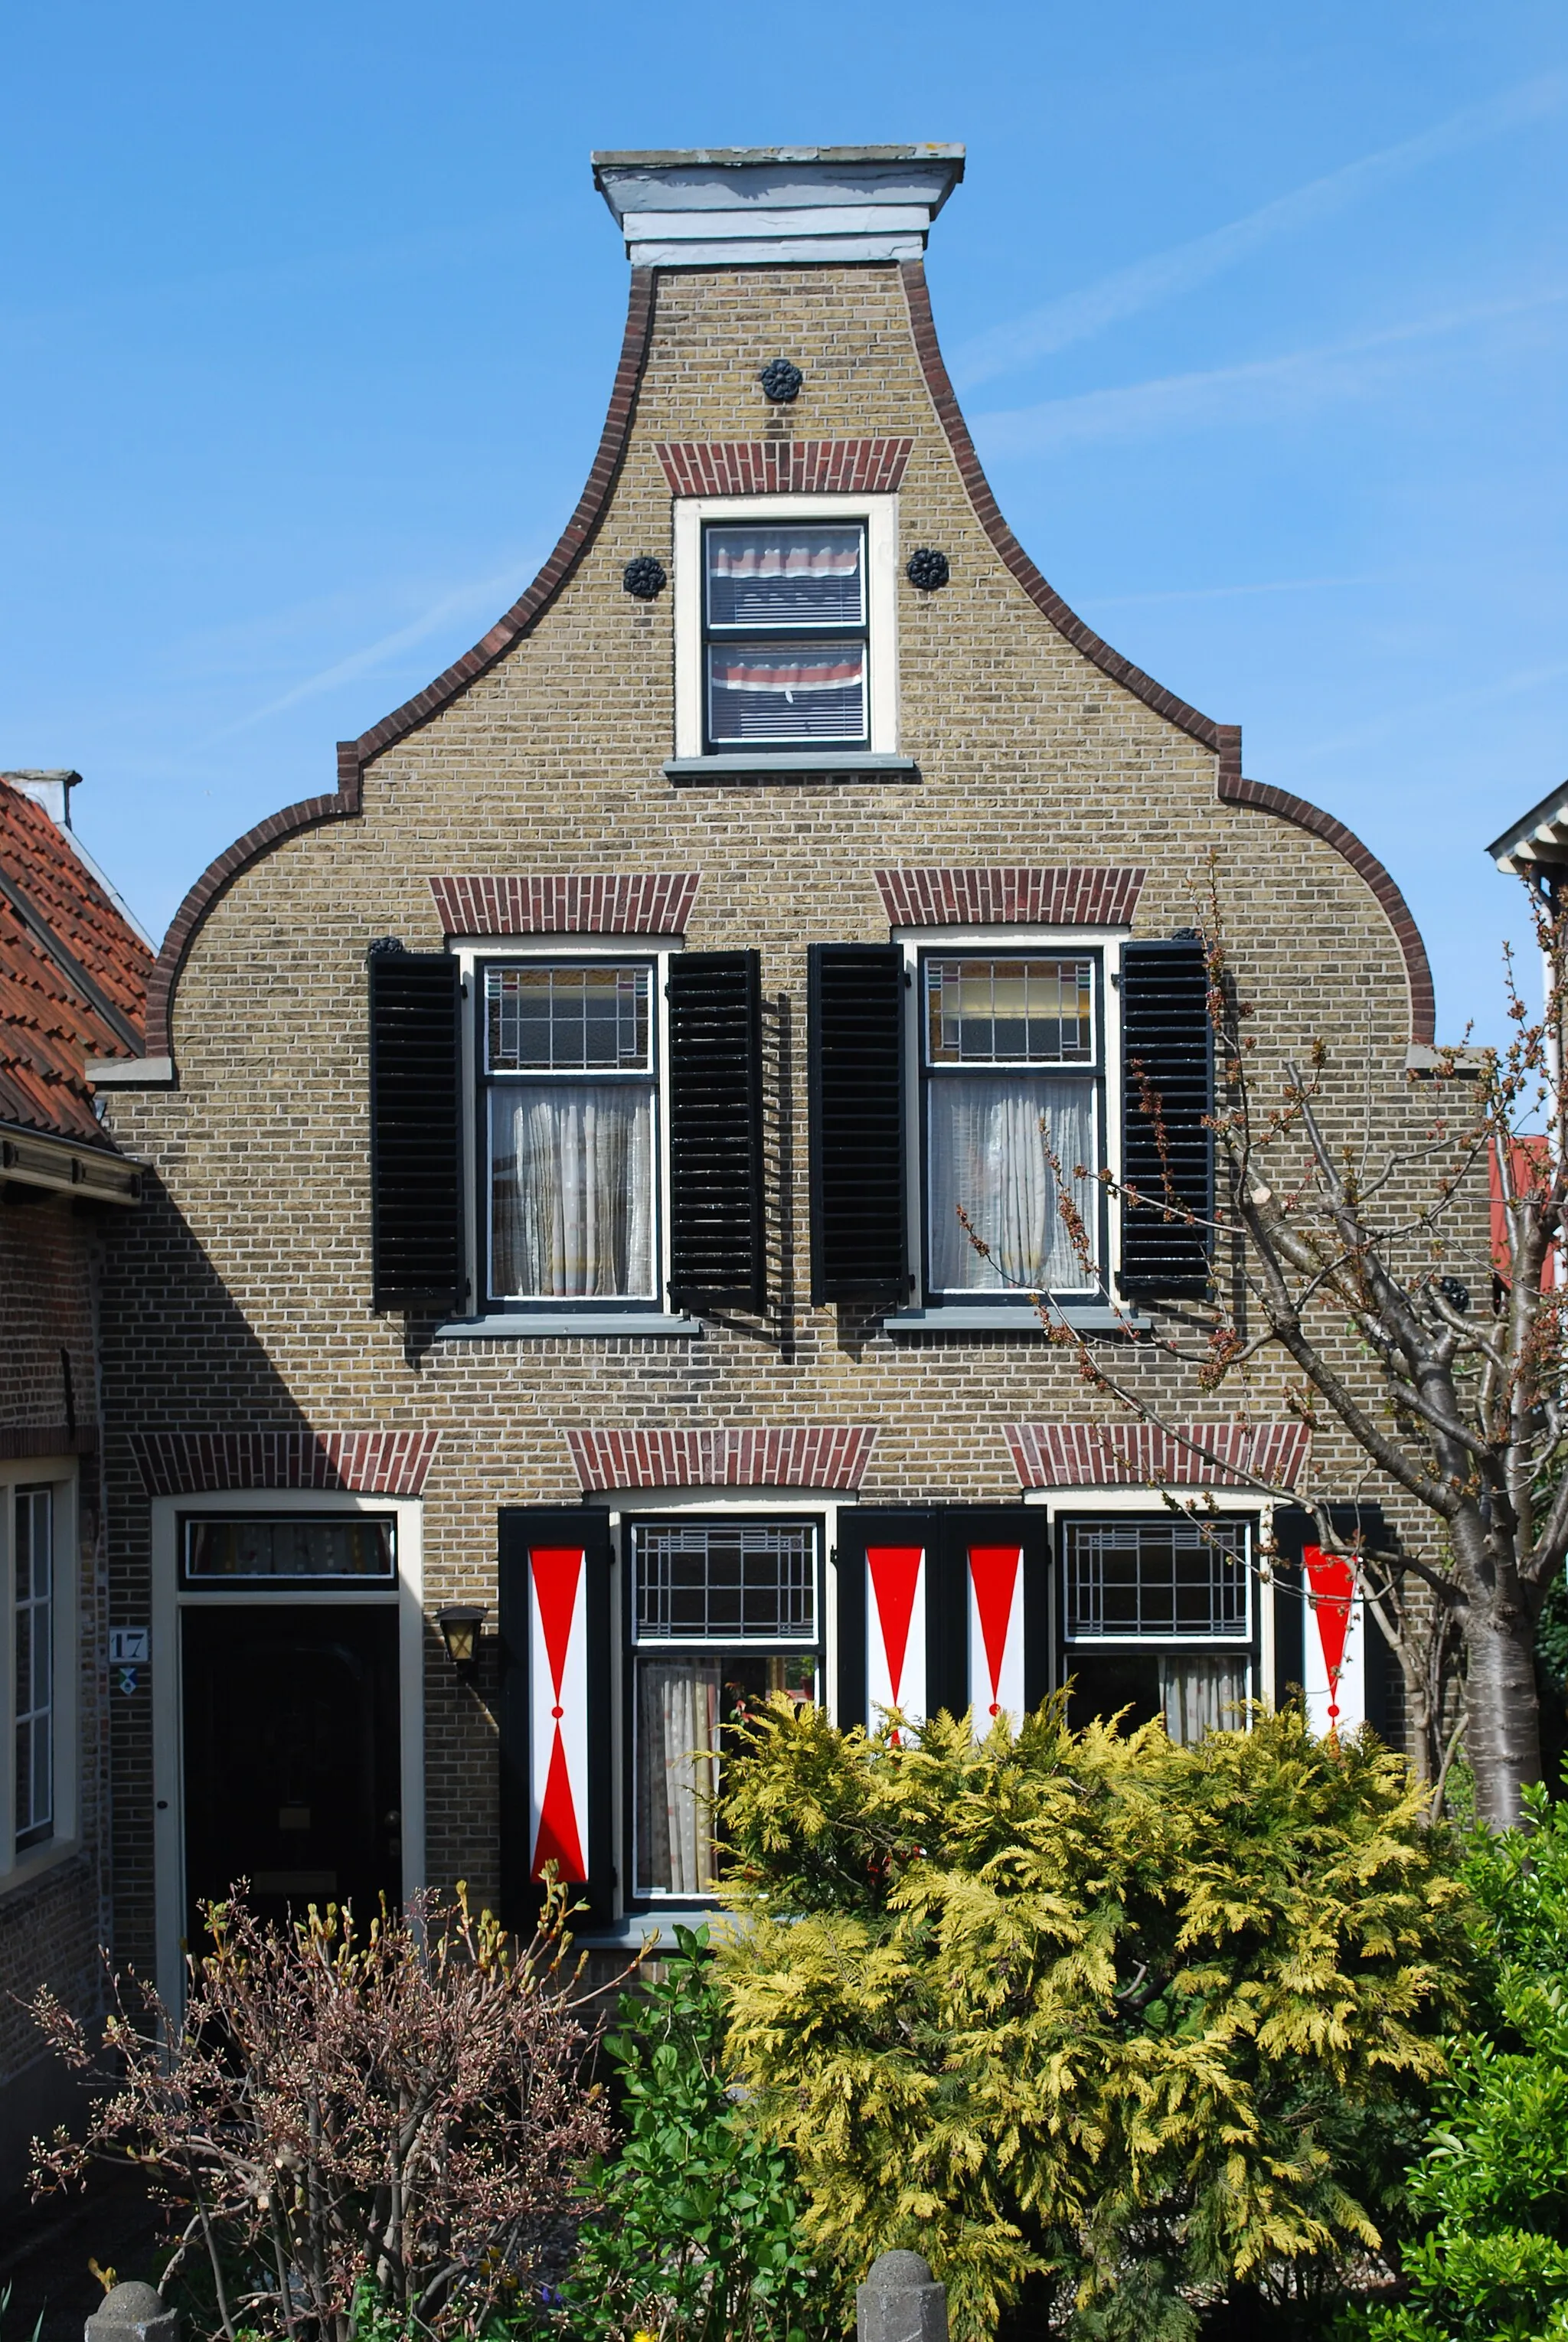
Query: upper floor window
{"points": [[1012, 1084], [33, 1622], [570, 1124], [785, 635]]}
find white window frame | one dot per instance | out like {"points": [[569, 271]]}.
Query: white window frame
{"points": [[631, 1925], [58, 1473], [585, 1316], [1105, 944], [170, 1598], [879, 515]]}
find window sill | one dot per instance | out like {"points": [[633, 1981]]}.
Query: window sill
{"points": [[790, 764], [632, 1930], [1083, 1317], [513, 1326], [34, 1861]]}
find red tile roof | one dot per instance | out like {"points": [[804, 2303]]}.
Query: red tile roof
{"points": [[54, 1015]]}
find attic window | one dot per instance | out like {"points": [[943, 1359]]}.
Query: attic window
{"points": [[784, 635]]}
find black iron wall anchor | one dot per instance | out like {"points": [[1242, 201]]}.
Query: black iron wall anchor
{"points": [[646, 578], [927, 569], [781, 381]]}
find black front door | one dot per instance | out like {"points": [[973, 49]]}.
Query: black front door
{"points": [[291, 1756]]}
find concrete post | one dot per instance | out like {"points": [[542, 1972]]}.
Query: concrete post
{"points": [[133, 2313], [901, 2301]]}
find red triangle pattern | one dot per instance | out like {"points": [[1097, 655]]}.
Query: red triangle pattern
{"points": [[557, 1577], [559, 1840], [993, 1573], [894, 1575], [1332, 1583]]}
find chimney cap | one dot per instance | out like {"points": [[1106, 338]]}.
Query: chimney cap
{"points": [[49, 786], [756, 206]]}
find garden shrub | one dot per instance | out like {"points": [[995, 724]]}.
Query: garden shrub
{"points": [[1492, 2178], [1139, 2022], [697, 2237]]}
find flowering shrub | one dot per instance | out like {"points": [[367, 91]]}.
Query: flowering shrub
{"points": [[345, 2121]]}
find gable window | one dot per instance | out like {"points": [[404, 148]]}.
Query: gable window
{"points": [[33, 1632], [723, 1613], [1157, 1620], [570, 1127], [785, 624], [1012, 1084]]}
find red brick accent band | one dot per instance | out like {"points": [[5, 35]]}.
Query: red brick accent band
{"points": [[568, 903], [783, 467], [1144, 1456], [353, 756], [366, 1463], [1046, 898], [1233, 790], [809, 1455]]}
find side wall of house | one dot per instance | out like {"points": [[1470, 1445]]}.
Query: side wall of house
{"points": [[240, 1295], [53, 1897]]}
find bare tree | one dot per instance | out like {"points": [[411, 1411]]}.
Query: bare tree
{"points": [[401, 2107], [1335, 1254]]}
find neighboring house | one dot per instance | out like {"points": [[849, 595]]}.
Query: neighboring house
{"points": [[73, 984], [556, 1137]]}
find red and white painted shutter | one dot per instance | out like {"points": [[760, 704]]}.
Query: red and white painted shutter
{"points": [[558, 1711], [1335, 1641], [895, 1639], [995, 1588]]}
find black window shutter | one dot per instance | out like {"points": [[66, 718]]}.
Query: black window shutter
{"points": [[1168, 1153], [1295, 1528], [717, 1247], [859, 1240], [858, 1527], [523, 1530], [416, 1139], [1024, 1525]]}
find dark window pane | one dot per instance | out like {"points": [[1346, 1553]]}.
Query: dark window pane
{"points": [[777, 574], [780, 692], [574, 1020], [683, 1705], [728, 1582], [1156, 1577], [263, 1545]]}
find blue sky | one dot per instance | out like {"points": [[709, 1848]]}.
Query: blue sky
{"points": [[1259, 317]]}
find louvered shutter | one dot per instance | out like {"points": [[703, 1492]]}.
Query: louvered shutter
{"points": [[1167, 1057], [717, 1249], [555, 1721], [859, 1244], [415, 1130]]}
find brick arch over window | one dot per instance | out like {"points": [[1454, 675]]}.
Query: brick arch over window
{"points": [[353, 756]]}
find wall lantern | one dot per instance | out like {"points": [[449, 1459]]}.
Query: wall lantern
{"points": [[459, 1623]]}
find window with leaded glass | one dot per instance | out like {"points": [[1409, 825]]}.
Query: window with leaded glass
{"points": [[570, 1131], [1157, 1620], [723, 1613], [1012, 1085], [784, 635]]}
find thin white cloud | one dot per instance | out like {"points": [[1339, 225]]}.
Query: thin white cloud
{"points": [[1406, 720], [1076, 316], [1264, 389], [490, 595]]}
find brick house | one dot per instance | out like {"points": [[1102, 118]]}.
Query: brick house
{"points": [[555, 1137], [72, 982]]}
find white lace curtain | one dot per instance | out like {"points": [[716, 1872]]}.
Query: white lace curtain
{"points": [[571, 1191], [988, 1154], [677, 1773], [1201, 1694]]}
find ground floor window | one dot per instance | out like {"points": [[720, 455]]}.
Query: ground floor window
{"points": [[1157, 1620], [33, 1628], [723, 1613]]}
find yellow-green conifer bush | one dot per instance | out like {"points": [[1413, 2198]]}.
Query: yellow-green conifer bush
{"points": [[1130, 2019]]}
